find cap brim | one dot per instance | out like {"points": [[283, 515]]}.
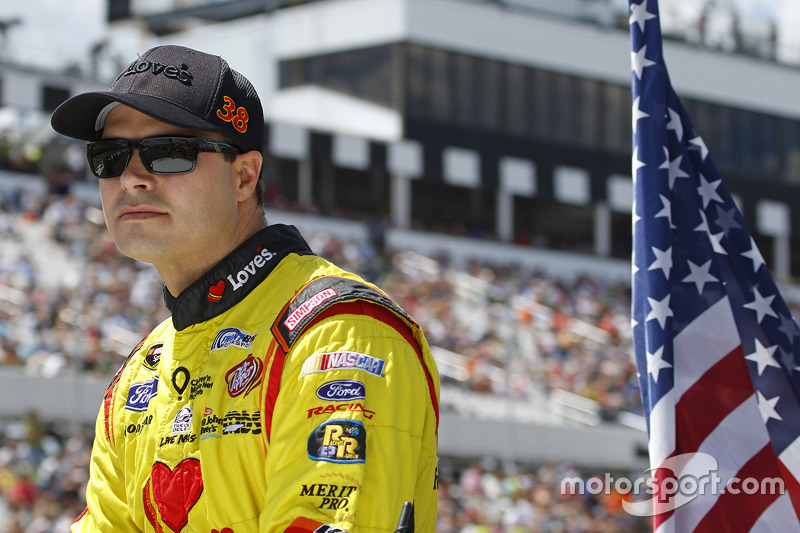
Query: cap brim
{"points": [[77, 117]]}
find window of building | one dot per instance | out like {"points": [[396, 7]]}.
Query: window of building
{"points": [[515, 102], [465, 90], [616, 136], [367, 73]]}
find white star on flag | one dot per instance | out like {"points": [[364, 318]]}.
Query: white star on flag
{"points": [[663, 260], [640, 62], [666, 210], [763, 357], [638, 114], [754, 255], [767, 407], [655, 363], [761, 305], [674, 168], [708, 191], [700, 275], [714, 239], [640, 15], [659, 310], [675, 123], [701, 144], [636, 164]]}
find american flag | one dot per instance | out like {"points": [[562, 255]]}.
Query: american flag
{"points": [[716, 346]]}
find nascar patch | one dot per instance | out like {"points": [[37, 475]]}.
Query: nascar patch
{"points": [[153, 356], [323, 362], [306, 525], [338, 441]]}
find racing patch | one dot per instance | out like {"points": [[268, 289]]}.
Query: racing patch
{"points": [[338, 441], [153, 356], [140, 394], [243, 377], [306, 525], [323, 362], [342, 407], [232, 337], [341, 390]]}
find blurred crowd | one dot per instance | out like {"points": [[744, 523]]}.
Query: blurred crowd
{"points": [[43, 474], [72, 304], [489, 497]]}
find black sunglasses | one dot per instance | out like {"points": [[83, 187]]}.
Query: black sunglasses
{"points": [[108, 158]]}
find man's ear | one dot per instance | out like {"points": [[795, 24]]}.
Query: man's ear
{"points": [[247, 168]]}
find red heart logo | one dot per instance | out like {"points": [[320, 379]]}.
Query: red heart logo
{"points": [[176, 491], [215, 292]]}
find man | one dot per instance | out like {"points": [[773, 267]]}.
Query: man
{"points": [[283, 394]]}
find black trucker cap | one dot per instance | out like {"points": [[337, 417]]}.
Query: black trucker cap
{"points": [[176, 85]]}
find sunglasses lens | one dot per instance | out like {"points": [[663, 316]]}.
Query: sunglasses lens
{"points": [[108, 159], [169, 155]]}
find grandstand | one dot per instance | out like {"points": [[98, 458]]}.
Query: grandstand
{"points": [[445, 149]]}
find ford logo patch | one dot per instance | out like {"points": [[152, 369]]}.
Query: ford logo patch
{"points": [[342, 390]]}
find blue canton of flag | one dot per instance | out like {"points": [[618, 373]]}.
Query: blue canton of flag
{"points": [[716, 346]]}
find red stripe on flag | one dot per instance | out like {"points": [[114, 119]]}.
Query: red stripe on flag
{"points": [[738, 512], [660, 475], [712, 397]]}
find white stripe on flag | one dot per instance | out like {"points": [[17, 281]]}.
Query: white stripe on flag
{"points": [[732, 443], [662, 429], [779, 517], [667, 526], [702, 344], [790, 457]]}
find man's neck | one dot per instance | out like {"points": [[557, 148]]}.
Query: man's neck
{"points": [[178, 276]]}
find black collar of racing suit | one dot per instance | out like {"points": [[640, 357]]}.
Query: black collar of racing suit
{"points": [[230, 280]]}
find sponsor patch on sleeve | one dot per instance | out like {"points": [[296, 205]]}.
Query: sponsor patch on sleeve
{"points": [[341, 390], [338, 441], [323, 362], [153, 356], [140, 394]]}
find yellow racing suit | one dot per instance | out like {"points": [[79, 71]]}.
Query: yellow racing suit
{"points": [[282, 395]]}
